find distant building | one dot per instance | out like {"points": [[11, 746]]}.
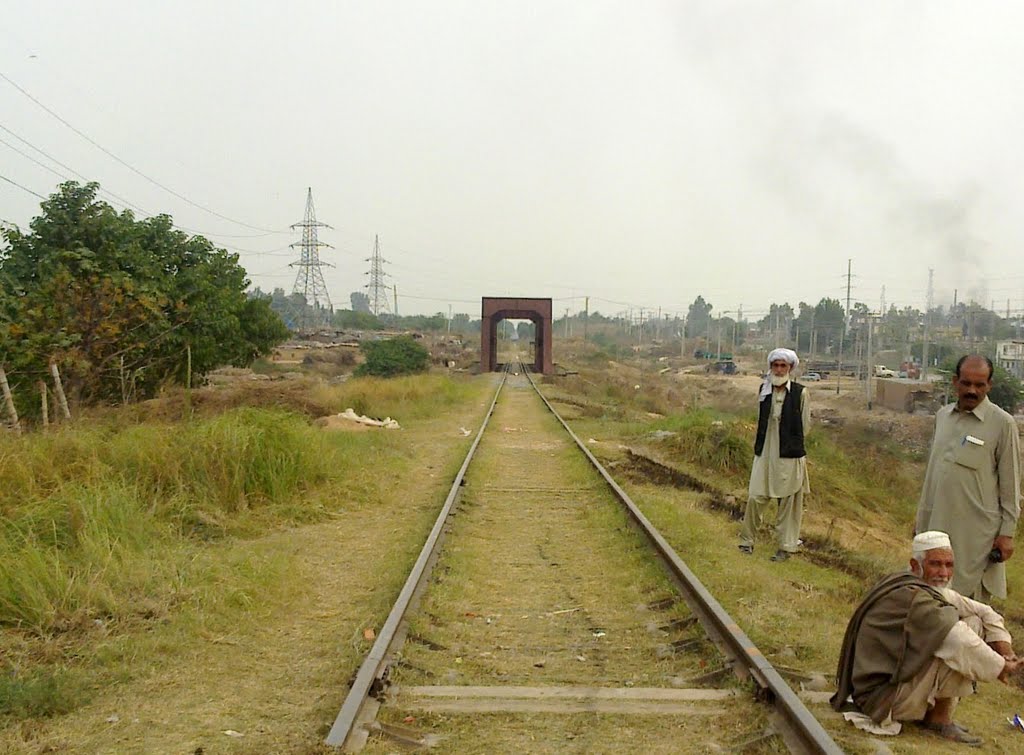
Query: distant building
{"points": [[1010, 356], [904, 395]]}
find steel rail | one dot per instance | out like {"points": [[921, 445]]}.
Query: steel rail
{"points": [[800, 730], [374, 667]]}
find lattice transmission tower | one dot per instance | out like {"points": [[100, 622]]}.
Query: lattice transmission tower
{"points": [[309, 283], [378, 289]]}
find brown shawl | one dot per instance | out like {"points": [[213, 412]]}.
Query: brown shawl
{"points": [[891, 638]]}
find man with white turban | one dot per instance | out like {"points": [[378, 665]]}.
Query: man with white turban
{"points": [[914, 647], [779, 471]]}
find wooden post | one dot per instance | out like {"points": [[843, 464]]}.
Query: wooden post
{"points": [[188, 381], [59, 387], [9, 402], [43, 403]]}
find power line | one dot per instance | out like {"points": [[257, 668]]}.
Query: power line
{"points": [[15, 183], [126, 203], [130, 167]]}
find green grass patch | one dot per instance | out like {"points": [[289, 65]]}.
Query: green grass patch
{"points": [[722, 445], [39, 693]]}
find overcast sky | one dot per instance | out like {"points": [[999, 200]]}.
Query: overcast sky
{"points": [[640, 153]]}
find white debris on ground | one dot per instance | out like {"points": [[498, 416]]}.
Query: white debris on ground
{"points": [[350, 415]]}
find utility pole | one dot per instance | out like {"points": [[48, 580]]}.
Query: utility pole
{"points": [[927, 326], [396, 300], [586, 317], [814, 335], [682, 339], [883, 310], [309, 282], [870, 358], [640, 328], [846, 324], [566, 322], [449, 318]]}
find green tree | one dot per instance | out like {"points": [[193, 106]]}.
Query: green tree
{"points": [[829, 321], [1006, 390], [697, 318], [356, 320], [118, 302], [395, 356]]}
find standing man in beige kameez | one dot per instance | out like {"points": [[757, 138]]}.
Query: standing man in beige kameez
{"points": [[972, 485], [779, 471]]}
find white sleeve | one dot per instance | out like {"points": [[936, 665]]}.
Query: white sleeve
{"points": [[966, 653], [993, 625]]}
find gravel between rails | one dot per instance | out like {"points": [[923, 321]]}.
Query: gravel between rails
{"points": [[542, 583]]}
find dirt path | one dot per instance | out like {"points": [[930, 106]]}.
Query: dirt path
{"points": [[542, 584], [275, 685]]}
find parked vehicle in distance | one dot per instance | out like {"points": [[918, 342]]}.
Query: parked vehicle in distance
{"points": [[811, 377], [882, 371], [724, 367]]}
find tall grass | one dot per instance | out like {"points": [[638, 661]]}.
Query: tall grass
{"points": [[851, 468], [91, 517], [704, 439], [408, 397]]}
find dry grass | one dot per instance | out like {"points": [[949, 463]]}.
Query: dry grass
{"points": [[103, 580], [543, 583], [865, 485]]}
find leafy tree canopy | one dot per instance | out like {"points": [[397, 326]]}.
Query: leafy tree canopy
{"points": [[117, 302]]}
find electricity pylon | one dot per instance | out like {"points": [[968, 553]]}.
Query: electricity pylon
{"points": [[315, 310], [378, 289]]}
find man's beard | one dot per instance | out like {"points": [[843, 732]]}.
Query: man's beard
{"points": [[779, 380], [937, 584]]}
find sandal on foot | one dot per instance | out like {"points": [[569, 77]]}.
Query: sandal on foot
{"points": [[953, 732], [780, 555], [748, 549]]}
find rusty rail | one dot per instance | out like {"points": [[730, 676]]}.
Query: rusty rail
{"points": [[799, 729], [374, 669]]}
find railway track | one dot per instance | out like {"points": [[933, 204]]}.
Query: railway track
{"points": [[548, 623]]}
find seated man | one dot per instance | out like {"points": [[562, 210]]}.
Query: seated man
{"points": [[914, 646]]}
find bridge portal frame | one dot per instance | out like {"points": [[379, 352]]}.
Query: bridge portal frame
{"points": [[494, 309]]}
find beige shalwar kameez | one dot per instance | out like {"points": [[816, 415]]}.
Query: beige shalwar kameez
{"points": [[972, 491], [773, 478], [964, 657]]}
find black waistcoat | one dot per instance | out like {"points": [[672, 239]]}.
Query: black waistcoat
{"points": [[791, 424]]}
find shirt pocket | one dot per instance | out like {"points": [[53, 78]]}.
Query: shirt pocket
{"points": [[971, 455]]}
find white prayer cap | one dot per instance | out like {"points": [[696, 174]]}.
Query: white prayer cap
{"points": [[926, 541], [787, 355]]}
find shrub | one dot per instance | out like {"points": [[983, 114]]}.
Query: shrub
{"points": [[396, 356]]}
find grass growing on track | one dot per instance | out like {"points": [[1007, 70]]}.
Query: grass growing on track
{"points": [[114, 527], [864, 494]]}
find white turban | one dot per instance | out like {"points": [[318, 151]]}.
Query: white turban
{"points": [[926, 541], [787, 355]]}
